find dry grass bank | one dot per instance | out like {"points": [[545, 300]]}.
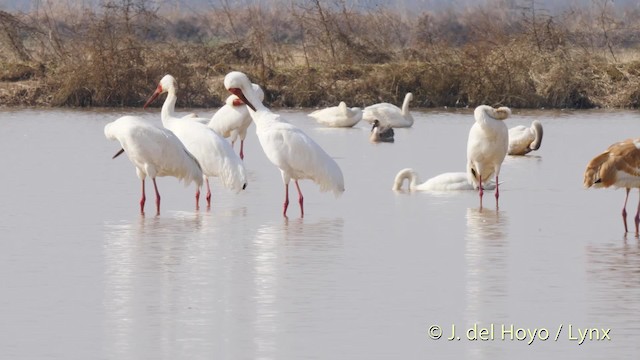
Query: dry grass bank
{"points": [[311, 54]]}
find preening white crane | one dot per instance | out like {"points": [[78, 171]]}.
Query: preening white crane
{"points": [[286, 146]]}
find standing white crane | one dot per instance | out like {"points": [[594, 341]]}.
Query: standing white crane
{"points": [[286, 146], [154, 151], [487, 146], [214, 153], [389, 114], [233, 119]]}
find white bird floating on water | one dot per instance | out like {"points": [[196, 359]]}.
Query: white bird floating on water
{"points": [[214, 153], [389, 114], [487, 146], [381, 133], [523, 139], [618, 166], [338, 116], [287, 147], [450, 181], [154, 151], [233, 119]]}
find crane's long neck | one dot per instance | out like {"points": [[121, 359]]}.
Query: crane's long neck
{"points": [[486, 121], [263, 118], [168, 108], [261, 114], [254, 100]]}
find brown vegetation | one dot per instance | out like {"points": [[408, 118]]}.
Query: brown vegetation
{"points": [[316, 53]]}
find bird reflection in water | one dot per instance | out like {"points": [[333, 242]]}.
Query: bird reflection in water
{"points": [[613, 289], [279, 247], [148, 265], [486, 274]]}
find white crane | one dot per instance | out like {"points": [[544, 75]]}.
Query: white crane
{"points": [[154, 151], [487, 146], [233, 119], [214, 153], [286, 146]]}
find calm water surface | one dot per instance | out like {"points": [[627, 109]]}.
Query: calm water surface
{"points": [[364, 276]]}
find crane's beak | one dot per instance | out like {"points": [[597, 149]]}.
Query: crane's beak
{"points": [[118, 153], [154, 96], [237, 92]]}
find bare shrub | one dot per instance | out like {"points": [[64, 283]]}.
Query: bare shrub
{"points": [[317, 53]]}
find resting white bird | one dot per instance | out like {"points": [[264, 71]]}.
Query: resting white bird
{"points": [[338, 116], [444, 182], [154, 151], [618, 166], [286, 146], [523, 140], [487, 146], [389, 114], [214, 153], [233, 119]]}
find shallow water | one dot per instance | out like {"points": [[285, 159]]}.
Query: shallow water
{"points": [[363, 276]]}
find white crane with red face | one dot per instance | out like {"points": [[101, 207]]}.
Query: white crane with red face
{"points": [[214, 153], [286, 146]]}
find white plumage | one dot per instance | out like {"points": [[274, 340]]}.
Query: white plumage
{"points": [[214, 153], [338, 116], [523, 139], [286, 146], [154, 151], [487, 146], [450, 181], [233, 119], [389, 114]]}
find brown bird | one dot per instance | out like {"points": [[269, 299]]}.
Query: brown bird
{"points": [[381, 133], [618, 166]]}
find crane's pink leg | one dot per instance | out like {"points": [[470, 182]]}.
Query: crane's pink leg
{"points": [[241, 149], [198, 198], [637, 218], [301, 199], [497, 192], [208, 194], [481, 191], [142, 199], [155, 187], [624, 211], [286, 199]]}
